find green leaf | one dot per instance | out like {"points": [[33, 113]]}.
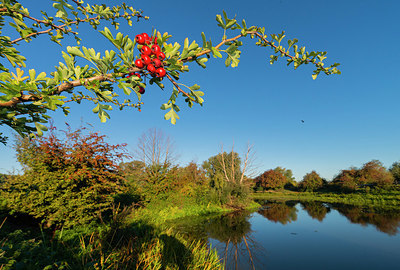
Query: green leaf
{"points": [[193, 46], [61, 13], [220, 22], [230, 24], [186, 43], [165, 106], [194, 87], [75, 51], [40, 128], [216, 53], [32, 74], [41, 76], [244, 24], [97, 108], [201, 61], [171, 115], [203, 36], [273, 59], [198, 95]]}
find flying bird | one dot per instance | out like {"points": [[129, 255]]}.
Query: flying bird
{"points": [[302, 121]]}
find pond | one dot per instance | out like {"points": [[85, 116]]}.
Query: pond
{"points": [[302, 235]]}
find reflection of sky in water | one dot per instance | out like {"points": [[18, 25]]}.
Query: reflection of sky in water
{"points": [[305, 242]]}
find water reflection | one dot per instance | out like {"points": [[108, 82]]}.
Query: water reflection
{"points": [[247, 240], [231, 235], [284, 212], [384, 220], [316, 210], [236, 243]]}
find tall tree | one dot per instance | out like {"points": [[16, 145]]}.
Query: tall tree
{"points": [[229, 167], [26, 96], [155, 157]]}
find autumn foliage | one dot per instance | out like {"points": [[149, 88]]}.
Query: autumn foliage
{"points": [[271, 179], [67, 180], [371, 174]]}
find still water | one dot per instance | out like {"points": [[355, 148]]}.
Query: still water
{"points": [[302, 235]]}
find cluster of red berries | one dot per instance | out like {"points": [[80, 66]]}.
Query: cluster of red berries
{"points": [[151, 57]]}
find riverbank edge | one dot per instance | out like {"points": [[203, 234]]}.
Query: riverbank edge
{"points": [[389, 200]]}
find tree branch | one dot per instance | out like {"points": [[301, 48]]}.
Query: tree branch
{"points": [[61, 88], [216, 47]]}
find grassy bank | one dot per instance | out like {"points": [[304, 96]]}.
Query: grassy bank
{"points": [[123, 243], [378, 199], [134, 239]]}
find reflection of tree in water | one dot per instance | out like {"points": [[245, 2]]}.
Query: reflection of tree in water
{"points": [[234, 232], [279, 212], [316, 210], [384, 221]]}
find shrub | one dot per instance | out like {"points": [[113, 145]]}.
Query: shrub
{"points": [[66, 181], [311, 181], [273, 179], [373, 172], [347, 180]]}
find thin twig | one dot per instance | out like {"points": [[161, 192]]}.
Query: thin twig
{"points": [[216, 47], [62, 27], [3, 222], [177, 86], [79, 5]]}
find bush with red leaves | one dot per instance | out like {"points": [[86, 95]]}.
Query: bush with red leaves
{"points": [[68, 180]]}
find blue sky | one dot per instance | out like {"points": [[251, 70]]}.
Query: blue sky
{"points": [[349, 119]]}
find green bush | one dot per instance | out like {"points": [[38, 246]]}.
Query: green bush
{"points": [[311, 181]]}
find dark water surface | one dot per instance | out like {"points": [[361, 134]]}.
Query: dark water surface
{"points": [[302, 235]]}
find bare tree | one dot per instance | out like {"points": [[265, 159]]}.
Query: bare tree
{"points": [[235, 170], [156, 150]]}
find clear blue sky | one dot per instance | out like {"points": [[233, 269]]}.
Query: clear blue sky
{"points": [[349, 119]]}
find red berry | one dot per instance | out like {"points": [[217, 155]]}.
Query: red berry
{"points": [[139, 63], [160, 55], [151, 68], [140, 39], [137, 75], [145, 36], [146, 59], [155, 40], [145, 50], [130, 74], [155, 49], [161, 72], [157, 62], [141, 90]]}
